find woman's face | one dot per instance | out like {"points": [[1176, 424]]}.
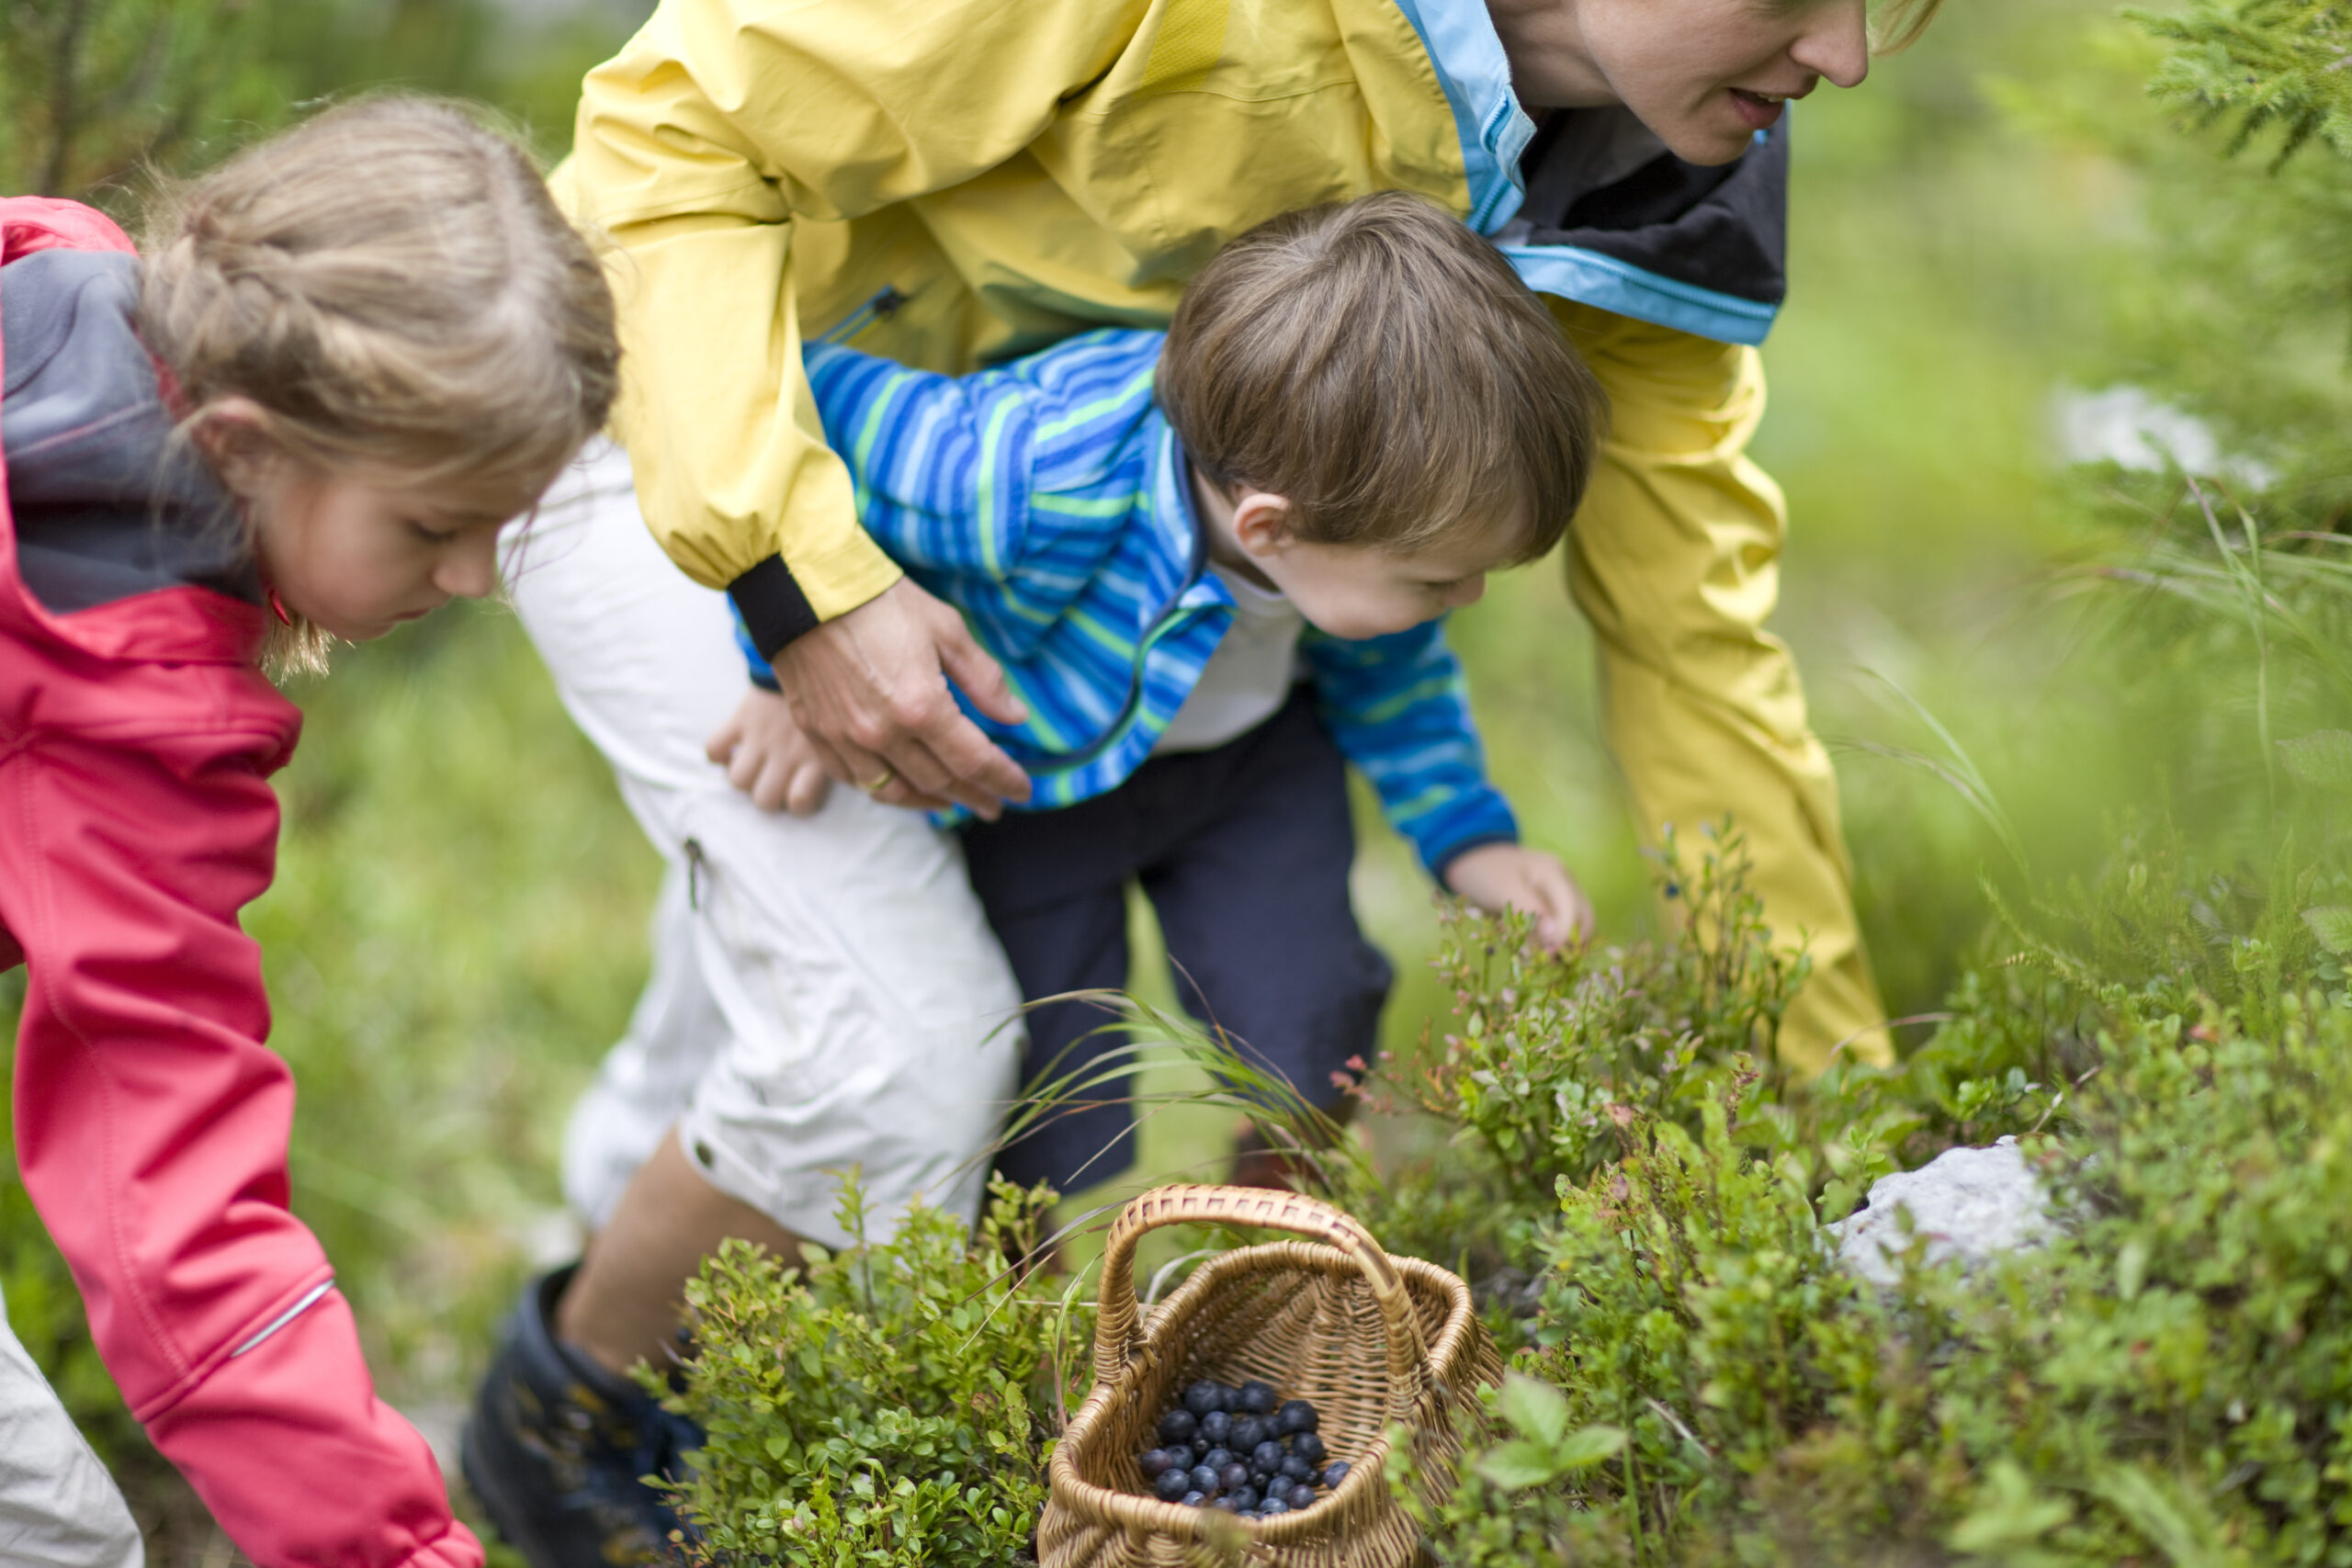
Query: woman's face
{"points": [[1706, 75]]}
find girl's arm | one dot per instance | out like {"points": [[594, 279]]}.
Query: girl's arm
{"points": [[151, 1122]]}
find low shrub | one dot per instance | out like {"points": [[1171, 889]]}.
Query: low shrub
{"points": [[895, 1403]]}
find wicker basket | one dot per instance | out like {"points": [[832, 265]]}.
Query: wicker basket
{"points": [[1370, 1339]]}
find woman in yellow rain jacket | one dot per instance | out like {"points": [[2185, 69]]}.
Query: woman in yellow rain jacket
{"points": [[951, 182]]}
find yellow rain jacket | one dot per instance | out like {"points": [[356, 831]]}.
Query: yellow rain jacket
{"points": [[955, 182]]}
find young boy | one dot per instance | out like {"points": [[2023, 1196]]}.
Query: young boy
{"points": [[1214, 563]]}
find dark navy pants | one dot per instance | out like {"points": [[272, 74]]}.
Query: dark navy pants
{"points": [[1244, 852]]}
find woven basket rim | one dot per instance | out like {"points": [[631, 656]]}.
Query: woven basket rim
{"points": [[1132, 1510]]}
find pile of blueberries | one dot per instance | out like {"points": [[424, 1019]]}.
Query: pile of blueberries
{"points": [[1241, 1449]]}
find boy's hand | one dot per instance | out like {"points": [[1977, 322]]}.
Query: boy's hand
{"points": [[1500, 877], [768, 758]]}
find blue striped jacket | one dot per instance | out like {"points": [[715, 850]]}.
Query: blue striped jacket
{"points": [[1047, 499]]}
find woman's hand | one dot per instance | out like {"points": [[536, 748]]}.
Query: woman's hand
{"points": [[768, 758], [870, 691], [1500, 876]]}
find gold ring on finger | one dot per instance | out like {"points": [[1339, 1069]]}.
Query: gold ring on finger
{"points": [[880, 781]]}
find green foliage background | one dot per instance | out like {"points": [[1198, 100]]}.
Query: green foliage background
{"points": [[2002, 211]]}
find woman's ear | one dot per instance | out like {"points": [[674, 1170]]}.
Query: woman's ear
{"points": [[1262, 523]]}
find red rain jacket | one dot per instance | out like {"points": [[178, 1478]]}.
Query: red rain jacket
{"points": [[136, 740]]}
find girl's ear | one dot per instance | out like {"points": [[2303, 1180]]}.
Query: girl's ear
{"points": [[1262, 523], [233, 434]]}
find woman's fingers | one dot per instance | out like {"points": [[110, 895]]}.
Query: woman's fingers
{"points": [[870, 688]]}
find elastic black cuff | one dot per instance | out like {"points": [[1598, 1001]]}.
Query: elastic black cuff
{"points": [[774, 608], [766, 681]]}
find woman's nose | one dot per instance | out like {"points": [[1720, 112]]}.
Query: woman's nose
{"points": [[1836, 43]]}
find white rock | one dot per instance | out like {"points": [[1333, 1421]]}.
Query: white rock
{"points": [[1972, 1204]]}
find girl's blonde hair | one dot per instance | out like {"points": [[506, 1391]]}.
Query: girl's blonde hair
{"points": [[392, 284]]}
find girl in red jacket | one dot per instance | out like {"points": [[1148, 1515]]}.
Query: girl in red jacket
{"points": [[345, 359]]}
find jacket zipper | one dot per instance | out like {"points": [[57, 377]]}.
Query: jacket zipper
{"points": [[881, 307]]}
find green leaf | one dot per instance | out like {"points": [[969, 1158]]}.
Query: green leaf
{"points": [[1588, 1445], [2173, 1522], [2331, 923], [1535, 1410], [2131, 1268], [2323, 759], [1517, 1465], [2008, 1514]]}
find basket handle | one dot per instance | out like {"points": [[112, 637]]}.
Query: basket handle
{"points": [[1117, 1331]]}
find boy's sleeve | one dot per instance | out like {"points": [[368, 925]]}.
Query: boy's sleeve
{"points": [[942, 470], [152, 1126], [1399, 709], [697, 148]]}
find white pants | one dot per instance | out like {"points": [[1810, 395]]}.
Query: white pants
{"points": [[59, 1508], [826, 994]]}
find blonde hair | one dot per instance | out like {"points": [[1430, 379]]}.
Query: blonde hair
{"points": [[392, 284], [1899, 23], [1382, 368]]}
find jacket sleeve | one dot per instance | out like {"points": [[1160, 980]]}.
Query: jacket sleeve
{"points": [[1675, 559], [1399, 709], [152, 1126], [697, 148], [943, 468]]}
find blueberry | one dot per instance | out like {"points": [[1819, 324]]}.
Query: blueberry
{"points": [[1308, 1447], [1267, 1456], [1302, 1497], [1233, 1477], [1297, 1416], [1195, 1499], [1217, 1426], [1243, 1499], [1204, 1478], [1273, 1505], [1257, 1398], [1152, 1462], [1335, 1473], [1171, 1484], [1203, 1398], [1178, 1426], [1297, 1468], [1218, 1459], [1222, 1504], [1246, 1433], [1180, 1457]]}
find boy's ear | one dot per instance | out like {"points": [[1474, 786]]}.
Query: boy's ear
{"points": [[1261, 522]]}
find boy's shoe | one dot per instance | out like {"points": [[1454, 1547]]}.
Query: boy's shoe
{"points": [[555, 1445]]}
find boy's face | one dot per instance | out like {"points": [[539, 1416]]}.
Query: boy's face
{"points": [[1355, 593]]}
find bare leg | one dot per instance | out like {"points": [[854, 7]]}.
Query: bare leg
{"points": [[622, 1306]]}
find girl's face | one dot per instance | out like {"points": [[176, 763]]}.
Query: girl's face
{"points": [[1706, 75], [358, 556]]}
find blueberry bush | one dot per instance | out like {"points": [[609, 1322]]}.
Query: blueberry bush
{"points": [[895, 1403]]}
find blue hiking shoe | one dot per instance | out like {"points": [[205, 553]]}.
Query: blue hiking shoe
{"points": [[556, 1448]]}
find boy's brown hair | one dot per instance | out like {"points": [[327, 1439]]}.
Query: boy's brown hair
{"points": [[1383, 369]]}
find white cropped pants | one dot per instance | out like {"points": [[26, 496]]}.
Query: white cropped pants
{"points": [[59, 1508], [825, 993]]}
